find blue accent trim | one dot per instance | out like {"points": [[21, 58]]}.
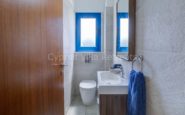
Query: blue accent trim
{"points": [[119, 48], [98, 34]]}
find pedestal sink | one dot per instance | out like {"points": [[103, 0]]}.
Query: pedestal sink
{"points": [[111, 83]]}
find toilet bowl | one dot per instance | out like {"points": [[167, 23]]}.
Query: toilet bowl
{"points": [[88, 91]]}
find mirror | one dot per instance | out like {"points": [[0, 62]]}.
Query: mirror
{"points": [[125, 45]]}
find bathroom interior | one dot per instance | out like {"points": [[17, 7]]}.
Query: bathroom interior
{"points": [[92, 57]]}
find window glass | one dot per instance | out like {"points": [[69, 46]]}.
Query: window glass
{"points": [[88, 32], [124, 32]]}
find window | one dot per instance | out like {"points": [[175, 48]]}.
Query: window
{"points": [[123, 26], [88, 32]]}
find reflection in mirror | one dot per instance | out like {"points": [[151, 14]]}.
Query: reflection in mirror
{"points": [[122, 29]]}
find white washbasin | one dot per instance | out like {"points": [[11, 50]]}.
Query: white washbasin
{"points": [[109, 77], [111, 83]]}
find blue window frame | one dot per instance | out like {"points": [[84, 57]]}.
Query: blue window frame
{"points": [[88, 32], [122, 40]]}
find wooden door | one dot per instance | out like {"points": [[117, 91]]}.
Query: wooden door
{"points": [[30, 39]]}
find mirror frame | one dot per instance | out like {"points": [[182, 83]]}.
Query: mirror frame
{"points": [[132, 31]]}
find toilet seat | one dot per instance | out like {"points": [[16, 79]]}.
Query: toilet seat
{"points": [[87, 84]]}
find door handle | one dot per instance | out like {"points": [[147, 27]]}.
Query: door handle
{"points": [[59, 65]]}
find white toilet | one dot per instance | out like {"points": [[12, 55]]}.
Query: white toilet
{"points": [[88, 91]]}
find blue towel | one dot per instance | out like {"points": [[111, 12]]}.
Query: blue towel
{"points": [[136, 94]]}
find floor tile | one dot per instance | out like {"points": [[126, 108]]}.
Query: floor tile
{"points": [[78, 108]]}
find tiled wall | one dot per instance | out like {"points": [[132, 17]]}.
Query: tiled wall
{"points": [[161, 40]]}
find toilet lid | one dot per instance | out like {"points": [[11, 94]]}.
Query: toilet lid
{"points": [[88, 84]]}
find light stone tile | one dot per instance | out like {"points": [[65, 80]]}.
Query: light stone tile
{"points": [[166, 106], [92, 109], [92, 114], [160, 31], [77, 111], [78, 108]]}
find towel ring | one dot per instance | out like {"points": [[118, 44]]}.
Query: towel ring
{"points": [[140, 59]]}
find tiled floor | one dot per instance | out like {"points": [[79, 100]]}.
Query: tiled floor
{"points": [[78, 108]]}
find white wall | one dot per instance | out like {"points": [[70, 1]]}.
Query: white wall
{"points": [[123, 6], [69, 38], [109, 37], [82, 70], [86, 71], [89, 5], [160, 39], [100, 61]]}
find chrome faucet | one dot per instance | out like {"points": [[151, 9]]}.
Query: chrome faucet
{"points": [[119, 66], [122, 71]]}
